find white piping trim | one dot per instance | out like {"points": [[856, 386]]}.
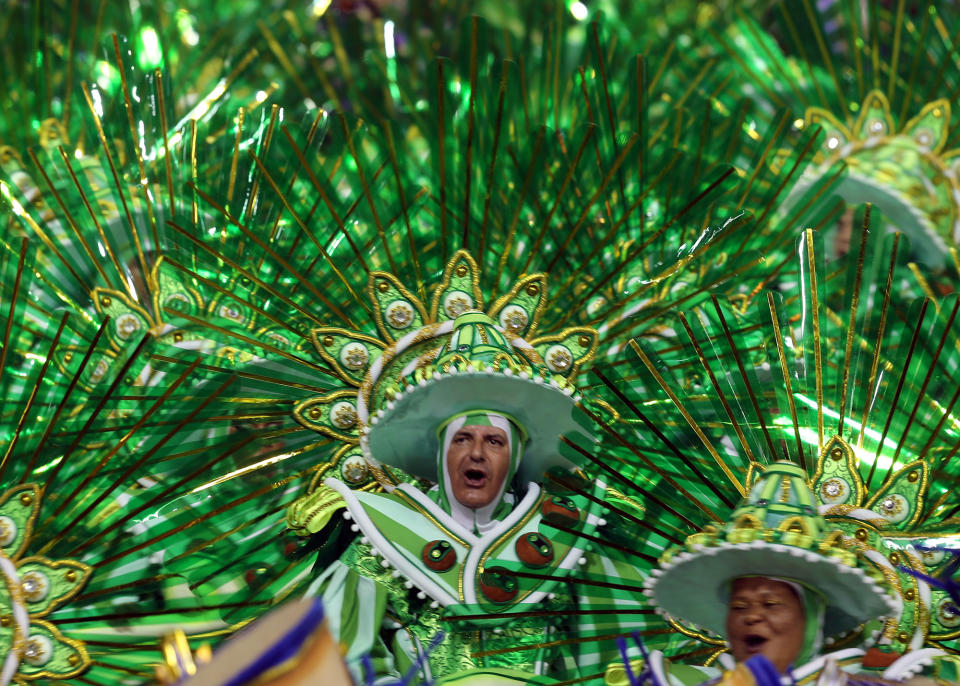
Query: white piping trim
{"points": [[881, 559], [422, 653], [515, 341], [816, 664], [656, 666], [383, 546], [10, 666], [391, 352], [911, 663], [437, 512]]}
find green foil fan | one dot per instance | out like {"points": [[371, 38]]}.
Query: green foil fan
{"points": [[837, 374]]}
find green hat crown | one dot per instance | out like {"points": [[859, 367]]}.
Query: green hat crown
{"points": [[477, 367], [476, 340], [425, 358], [475, 344], [779, 506]]}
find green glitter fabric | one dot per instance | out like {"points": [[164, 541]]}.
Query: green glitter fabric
{"points": [[193, 206]]}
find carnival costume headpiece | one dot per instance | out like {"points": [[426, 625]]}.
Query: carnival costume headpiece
{"points": [[775, 532], [268, 287], [432, 366], [475, 368]]}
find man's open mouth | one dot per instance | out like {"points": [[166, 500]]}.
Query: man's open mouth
{"points": [[475, 478], [755, 642]]}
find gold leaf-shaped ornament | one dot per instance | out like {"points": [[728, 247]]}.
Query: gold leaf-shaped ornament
{"points": [[836, 480], [47, 584], [459, 290], [49, 654], [519, 311], [129, 321], [396, 310], [900, 501], [567, 352], [333, 415], [18, 513], [349, 354], [875, 119]]}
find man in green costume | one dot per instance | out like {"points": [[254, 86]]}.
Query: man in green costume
{"points": [[469, 579]]}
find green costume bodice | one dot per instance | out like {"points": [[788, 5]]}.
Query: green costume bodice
{"points": [[458, 601], [456, 567], [418, 625]]}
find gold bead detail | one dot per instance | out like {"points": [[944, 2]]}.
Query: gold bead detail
{"points": [[106, 301], [909, 594], [532, 289], [895, 558], [178, 337], [327, 341], [383, 286], [836, 453], [584, 340], [5, 620], [913, 476], [70, 576], [73, 660], [903, 637], [315, 413], [461, 270], [861, 534], [26, 499]]}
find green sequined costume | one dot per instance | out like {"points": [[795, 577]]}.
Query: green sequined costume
{"points": [[498, 586], [230, 278]]}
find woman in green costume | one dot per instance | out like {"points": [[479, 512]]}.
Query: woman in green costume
{"points": [[779, 585]]}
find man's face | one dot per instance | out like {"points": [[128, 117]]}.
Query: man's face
{"points": [[765, 617], [478, 461]]}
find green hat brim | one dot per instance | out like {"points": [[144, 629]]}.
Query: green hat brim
{"points": [[404, 433], [692, 586]]}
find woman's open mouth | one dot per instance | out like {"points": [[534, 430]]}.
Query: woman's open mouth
{"points": [[755, 643]]}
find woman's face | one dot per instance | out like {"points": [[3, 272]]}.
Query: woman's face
{"points": [[765, 617]]}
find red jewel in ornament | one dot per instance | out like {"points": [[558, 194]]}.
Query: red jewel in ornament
{"points": [[877, 659], [498, 585], [534, 550], [560, 510], [438, 555]]}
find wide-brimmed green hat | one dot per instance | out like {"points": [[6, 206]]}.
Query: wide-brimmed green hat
{"points": [[775, 532], [474, 367]]}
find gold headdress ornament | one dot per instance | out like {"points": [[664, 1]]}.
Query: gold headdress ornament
{"points": [[428, 362]]}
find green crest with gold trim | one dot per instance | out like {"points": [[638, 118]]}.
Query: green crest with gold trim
{"points": [[777, 532]]}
